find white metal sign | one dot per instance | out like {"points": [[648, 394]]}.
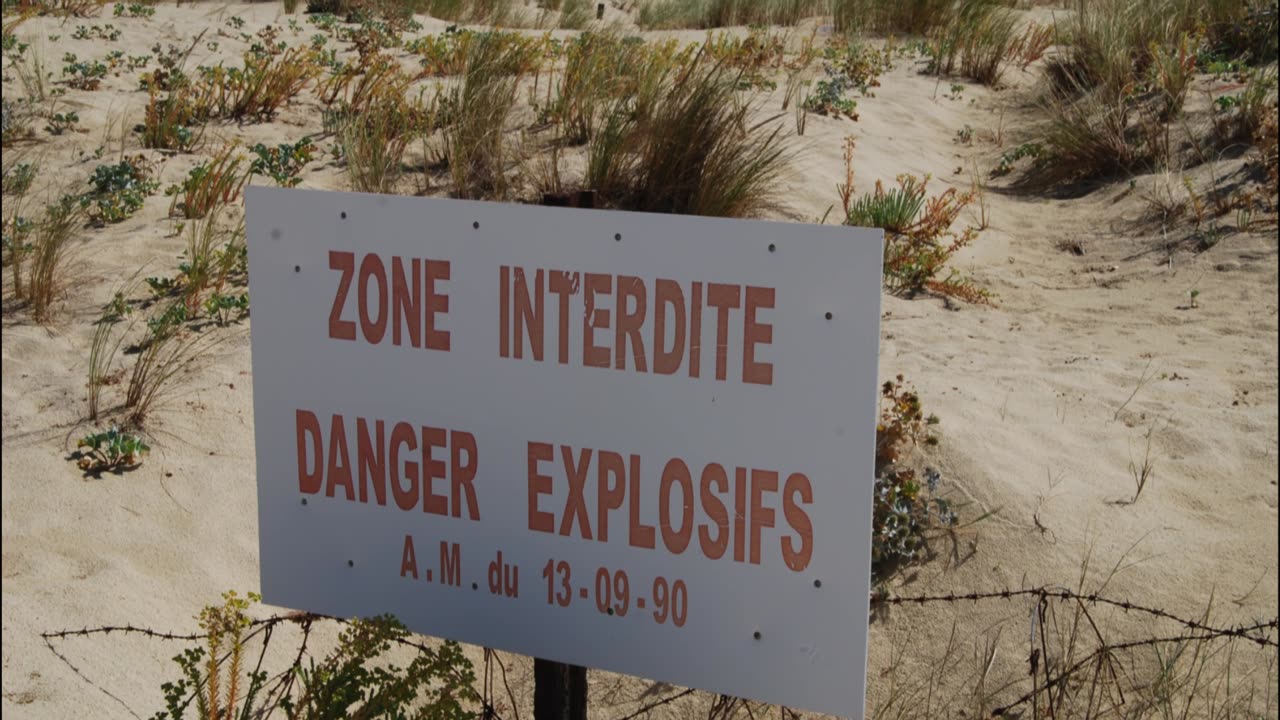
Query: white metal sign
{"points": [[642, 443]]}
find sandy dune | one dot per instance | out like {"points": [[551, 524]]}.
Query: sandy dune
{"points": [[1040, 418]]}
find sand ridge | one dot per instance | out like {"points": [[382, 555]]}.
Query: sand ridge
{"points": [[1033, 393]]}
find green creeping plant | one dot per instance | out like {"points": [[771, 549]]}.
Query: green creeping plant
{"points": [[110, 450]]}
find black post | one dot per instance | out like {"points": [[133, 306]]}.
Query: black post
{"points": [[600, 11], [559, 689]]}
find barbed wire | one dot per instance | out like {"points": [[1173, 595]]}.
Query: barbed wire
{"points": [[1046, 592], [1260, 633]]}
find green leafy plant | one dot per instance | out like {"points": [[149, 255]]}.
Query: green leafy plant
{"points": [[118, 190], [137, 10], [59, 123], [283, 162], [18, 178], [1011, 157], [113, 450], [83, 75], [108, 32], [224, 307], [828, 98]]}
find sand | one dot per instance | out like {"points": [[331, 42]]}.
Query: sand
{"points": [[1046, 398]]}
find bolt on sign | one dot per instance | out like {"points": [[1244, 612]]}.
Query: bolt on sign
{"points": [[641, 443]]}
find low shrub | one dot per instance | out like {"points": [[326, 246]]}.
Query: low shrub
{"points": [[258, 90], [918, 236], [175, 121], [358, 678], [904, 509], [214, 183]]}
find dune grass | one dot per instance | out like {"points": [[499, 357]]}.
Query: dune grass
{"points": [[890, 17], [476, 146], [46, 258], [688, 144], [671, 14]]}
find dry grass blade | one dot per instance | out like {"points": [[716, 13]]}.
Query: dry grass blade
{"points": [[103, 349], [50, 246], [168, 349]]}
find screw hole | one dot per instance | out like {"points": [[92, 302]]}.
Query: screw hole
{"points": [[304, 501], [772, 247], [351, 563], [610, 611], [475, 225], [756, 635], [828, 315], [475, 586], [343, 214], [817, 583], [617, 236], [297, 268]]}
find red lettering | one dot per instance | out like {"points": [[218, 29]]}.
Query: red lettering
{"points": [[641, 535], [714, 474], [345, 263], [575, 506], [629, 322], [408, 558], [676, 472], [308, 425], [406, 497], [373, 330], [753, 333], [437, 304], [462, 475], [406, 306], [372, 462], [529, 311], [724, 298], [562, 286], [667, 293], [432, 470], [608, 496], [762, 481], [798, 519], [339, 470], [595, 355], [539, 484]]}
